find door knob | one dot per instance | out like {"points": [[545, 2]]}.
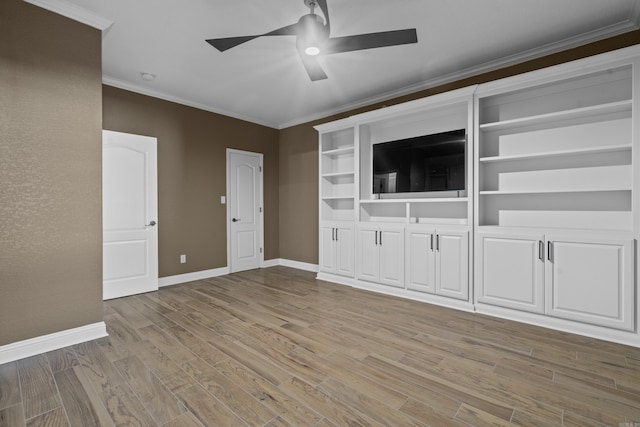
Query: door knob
{"points": [[151, 224], [235, 219]]}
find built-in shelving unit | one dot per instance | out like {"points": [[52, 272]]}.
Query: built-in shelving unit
{"points": [[546, 231], [571, 136]]}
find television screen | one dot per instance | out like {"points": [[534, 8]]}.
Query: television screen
{"points": [[421, 164]]}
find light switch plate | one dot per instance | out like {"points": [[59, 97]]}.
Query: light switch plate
{"points": [[223, 200]]}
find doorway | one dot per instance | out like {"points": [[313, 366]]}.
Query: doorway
{"points": [[245, 217]]}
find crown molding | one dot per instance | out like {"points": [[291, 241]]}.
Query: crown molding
{"points": [[592, 36], [121, 84], [72, 11]]}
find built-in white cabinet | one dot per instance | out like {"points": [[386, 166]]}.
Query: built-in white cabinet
{"points": [[581, 277], [590, 279], [437, 261], [381, 254], [510, 270], [337, 248]]}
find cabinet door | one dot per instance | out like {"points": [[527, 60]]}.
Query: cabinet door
{"points": [[452, 263], [420, 260], [327, 248], [368, 254], [510, 270], [391, 243], [591, 280], [345, 249]]}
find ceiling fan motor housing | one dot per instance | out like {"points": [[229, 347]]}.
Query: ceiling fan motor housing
{"points": [[312, 32]]}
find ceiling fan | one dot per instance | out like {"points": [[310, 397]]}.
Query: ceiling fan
{"points": [[312, 39]]}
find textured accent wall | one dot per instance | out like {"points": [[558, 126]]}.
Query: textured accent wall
{"points": [[50, 173], [192, 147], [299, 150]]}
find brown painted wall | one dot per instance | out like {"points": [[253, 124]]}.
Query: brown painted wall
{"points": [[50, 173], [299, 151], [191, 175]]}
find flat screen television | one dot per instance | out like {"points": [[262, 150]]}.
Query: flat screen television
{"points": [[423, 164]]}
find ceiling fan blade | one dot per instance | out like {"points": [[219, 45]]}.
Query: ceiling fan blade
{"points": [[370, 41], [226, 43], [325, 11], [313, 67]]}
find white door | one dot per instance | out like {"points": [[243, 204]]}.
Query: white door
{"points": [[420, 260], [244, 180], [510, 270], [129, 214], [368, 254], [452, 263], [345, 249], [591, 280], [391, 241]]}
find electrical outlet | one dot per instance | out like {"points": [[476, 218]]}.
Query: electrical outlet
{"points": [[183, 259], [223, 200]]}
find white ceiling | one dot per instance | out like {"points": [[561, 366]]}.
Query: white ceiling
{"points": [[263, 81]]}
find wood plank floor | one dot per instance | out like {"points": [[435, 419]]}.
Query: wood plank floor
{"points": [[275, 347]]}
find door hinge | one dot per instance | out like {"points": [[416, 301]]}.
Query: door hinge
{"points": [[260, 209], [260, 168], [260, 250]]}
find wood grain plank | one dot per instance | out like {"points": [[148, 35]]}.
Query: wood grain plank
{"points": [[9, 385], [374, 409], [62, 359], [325, 404], [185, 420], [159, 401], [82, 405], [269, 395], [209, 411], [123, 406], [55, 418], [196, 345], [235, 398], [172, 375], [13, 416], [167, 344], [39, 390], [477, 417]]}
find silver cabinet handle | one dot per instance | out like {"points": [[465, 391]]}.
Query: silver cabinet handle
{"points": [[540, 250], [336, 234], [438, 242], [376, 237], [431, 242], [549, 248], [151, 224], [380, 237]]}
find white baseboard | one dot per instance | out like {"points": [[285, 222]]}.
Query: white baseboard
{"points": [[299, 265], [50, 342], [270, 263], [190, 277]]}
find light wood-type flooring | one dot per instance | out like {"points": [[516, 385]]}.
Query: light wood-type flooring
{"points": [[275, 347]]}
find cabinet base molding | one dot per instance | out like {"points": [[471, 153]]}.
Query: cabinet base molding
{"points": [[602, 333], [50, 342], [398, 292]]}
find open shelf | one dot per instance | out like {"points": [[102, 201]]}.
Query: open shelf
{"points": [[338, 151], [337, 174], [553, 154], [551, 191], [592, 111], [422, 200]]}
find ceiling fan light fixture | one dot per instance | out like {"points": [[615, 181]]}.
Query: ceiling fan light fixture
{"points": [[312, 50]]}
